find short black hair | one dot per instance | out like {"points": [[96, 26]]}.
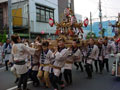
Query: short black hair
{"points": [[76, 40], [46, 44], [105, 38], [14, 38]]}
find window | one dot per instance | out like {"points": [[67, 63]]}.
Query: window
{"points": [[44, 13], [47, 16]]}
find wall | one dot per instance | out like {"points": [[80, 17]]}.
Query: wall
{"points": [[5, 14], [17, 5], [96, 29], [37, 27], [4, 7]]}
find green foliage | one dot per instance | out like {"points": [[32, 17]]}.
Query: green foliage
{"points": [[3, 37], [91, 35], [102, 32], [0, 37]]}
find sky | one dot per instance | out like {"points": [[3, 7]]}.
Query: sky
{"points": [[109, 8]]}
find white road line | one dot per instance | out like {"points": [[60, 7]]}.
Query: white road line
{"points": [[12, 88], [2, 68]]}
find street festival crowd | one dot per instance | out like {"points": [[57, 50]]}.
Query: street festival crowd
{"points": [[47, 66]]}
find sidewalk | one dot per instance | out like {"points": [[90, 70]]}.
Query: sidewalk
{"points": [[2, 65]]}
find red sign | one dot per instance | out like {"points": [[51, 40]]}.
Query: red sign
{"points": [[86, 22], [51, 22]]}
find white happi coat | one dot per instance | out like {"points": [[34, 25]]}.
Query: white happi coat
{"points": [[113, 47], [7, 51], [60, 59], [69, 63], [78, 54], [19, 53], [71, 58], [46, 61], [93, 54], [107, 50]]}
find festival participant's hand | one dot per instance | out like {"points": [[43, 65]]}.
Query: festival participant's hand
{"points": [[55, 49]]}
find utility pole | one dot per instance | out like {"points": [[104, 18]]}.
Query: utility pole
{"points": [[91, 21], [100, 16], [29, 21], [118, 17], [10, 18]]}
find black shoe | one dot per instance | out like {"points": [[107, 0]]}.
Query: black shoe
{"points": [[18, 89], [6, 70], [36, 84], [82, 71], [96, 71], [45, 87], [17, 79], [77, 68], [89, 78], [26, 89], [63, 86]]}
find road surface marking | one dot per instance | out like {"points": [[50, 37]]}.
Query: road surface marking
{"points": [[2, 68], [12, 88]]}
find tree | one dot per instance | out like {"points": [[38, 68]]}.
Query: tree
{"points": [[4, 36], [91, 35], [0, 37], [102, 32]]}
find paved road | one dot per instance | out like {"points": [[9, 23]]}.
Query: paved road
{"points": [[99, 82]]}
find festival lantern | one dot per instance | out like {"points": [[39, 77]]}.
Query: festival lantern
{"points": [[118, 40], [42, 32], [51, 22], [86, 21]]}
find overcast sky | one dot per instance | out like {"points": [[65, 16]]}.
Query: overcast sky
{"points": [[109, 7]]}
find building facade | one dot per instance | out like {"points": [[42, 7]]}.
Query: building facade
{"points": [[108, 29], [32, 16], [40, 12], [78, 17], [3, 15], [62, 4]]}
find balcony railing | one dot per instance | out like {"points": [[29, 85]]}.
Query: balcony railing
{"points": [[20, 21]]}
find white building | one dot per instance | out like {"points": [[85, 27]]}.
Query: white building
{"points": [[39, 13], [78, 17]]}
